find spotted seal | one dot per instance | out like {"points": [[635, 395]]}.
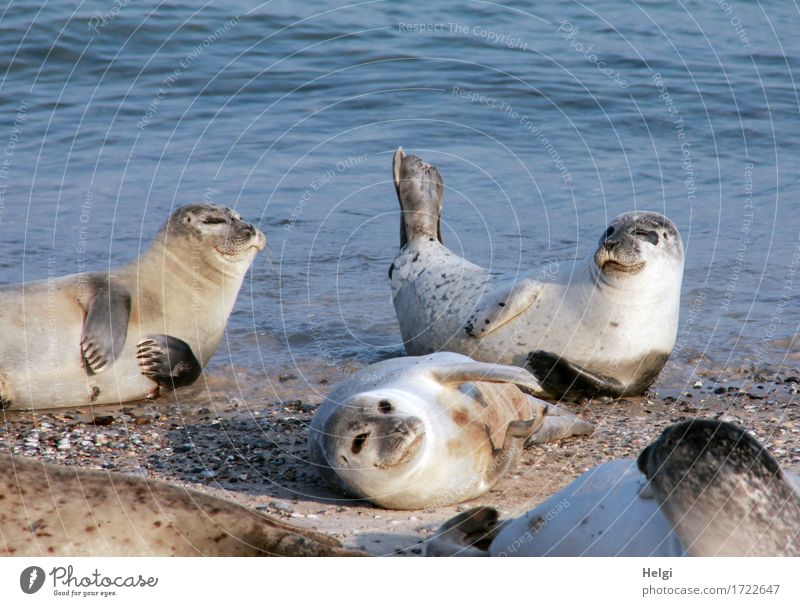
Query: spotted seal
{"points": [[55, 510], [602, 326], [430, 431], [703, 488], [126, 334]]}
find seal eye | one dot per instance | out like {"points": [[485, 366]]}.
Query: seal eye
{"points": [[213, 221], [646, 234], [609, 231], [385, 406], [358, 443]]}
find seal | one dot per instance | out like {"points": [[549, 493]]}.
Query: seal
{"points": [[55, 510], [128, 333], [431, 431], [601, 326], [723, 491], [704, 488]]}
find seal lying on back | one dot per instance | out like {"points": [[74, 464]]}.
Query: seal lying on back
{"points": [[54, 510], [713, 490], [603, 326], [414, 433], [153, 324]]}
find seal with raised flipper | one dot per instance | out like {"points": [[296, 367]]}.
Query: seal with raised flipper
{"points": [[126, 334], [601, 326], [55, 510], [703, 488], [430, 431]]}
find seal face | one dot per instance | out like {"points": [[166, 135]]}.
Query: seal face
{"points": [[703, 488], [54, 510], [430, 431], [123, 335], [723, 491], [604, 325]]}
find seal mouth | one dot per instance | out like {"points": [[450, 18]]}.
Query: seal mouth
{"points": [[260, 240], [613, 266], [236, 247], [402, 452]]}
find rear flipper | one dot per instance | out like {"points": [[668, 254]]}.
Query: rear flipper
{"points": [[168, 361], [467, 534], [564, 380], [557, 424]]}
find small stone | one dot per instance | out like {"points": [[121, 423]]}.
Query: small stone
{"points": [[287, 377], [282, 507], [208, 474], [697, 384], [720, 390], [103, 420], [63, 444]]}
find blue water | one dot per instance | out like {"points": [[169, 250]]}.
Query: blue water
{"points": [[544, 119]]}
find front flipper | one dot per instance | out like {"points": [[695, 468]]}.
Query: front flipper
{"points": [[471, 372], [518, 434], [105, 327], [468, 534], [501, 306], [168, 361], [564, 380], [558, 424]]}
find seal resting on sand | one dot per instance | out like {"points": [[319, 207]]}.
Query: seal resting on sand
{"points": [[602, 326], [55, 510], [126, 334], [430, 431], [703, 488]]}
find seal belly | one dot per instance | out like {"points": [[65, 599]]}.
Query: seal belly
{"points": [[40, 356]]}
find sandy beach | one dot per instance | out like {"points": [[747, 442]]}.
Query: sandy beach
{"points": [[245, 438]]}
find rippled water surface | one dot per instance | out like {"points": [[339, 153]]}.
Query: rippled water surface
{"points": [[545, 119]]}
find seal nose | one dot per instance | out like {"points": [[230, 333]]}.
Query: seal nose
{"points": [[610, 244]]}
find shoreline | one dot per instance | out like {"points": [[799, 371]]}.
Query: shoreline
{"points": [[244, 438]]}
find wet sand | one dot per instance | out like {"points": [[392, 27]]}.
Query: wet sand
{"points": [[244, 438]]}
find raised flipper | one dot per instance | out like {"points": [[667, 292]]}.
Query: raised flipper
{"points": [[470, 372], [501, 306], [105, 326], [563, 380], [468, 534], [168, 361], [419, 189], [558, 424]]}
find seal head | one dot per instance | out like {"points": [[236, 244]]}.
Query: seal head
{"points": [[723, 491], [630, 241], [213, 230], [372, 434]]}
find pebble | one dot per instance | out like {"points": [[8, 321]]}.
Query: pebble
{"points": [[278, 506]]}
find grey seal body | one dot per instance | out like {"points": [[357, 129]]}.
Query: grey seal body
{"points": [[604, 325], [704, 488], [723, 491], [432, 431], [54, 510], [153, 324]]}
